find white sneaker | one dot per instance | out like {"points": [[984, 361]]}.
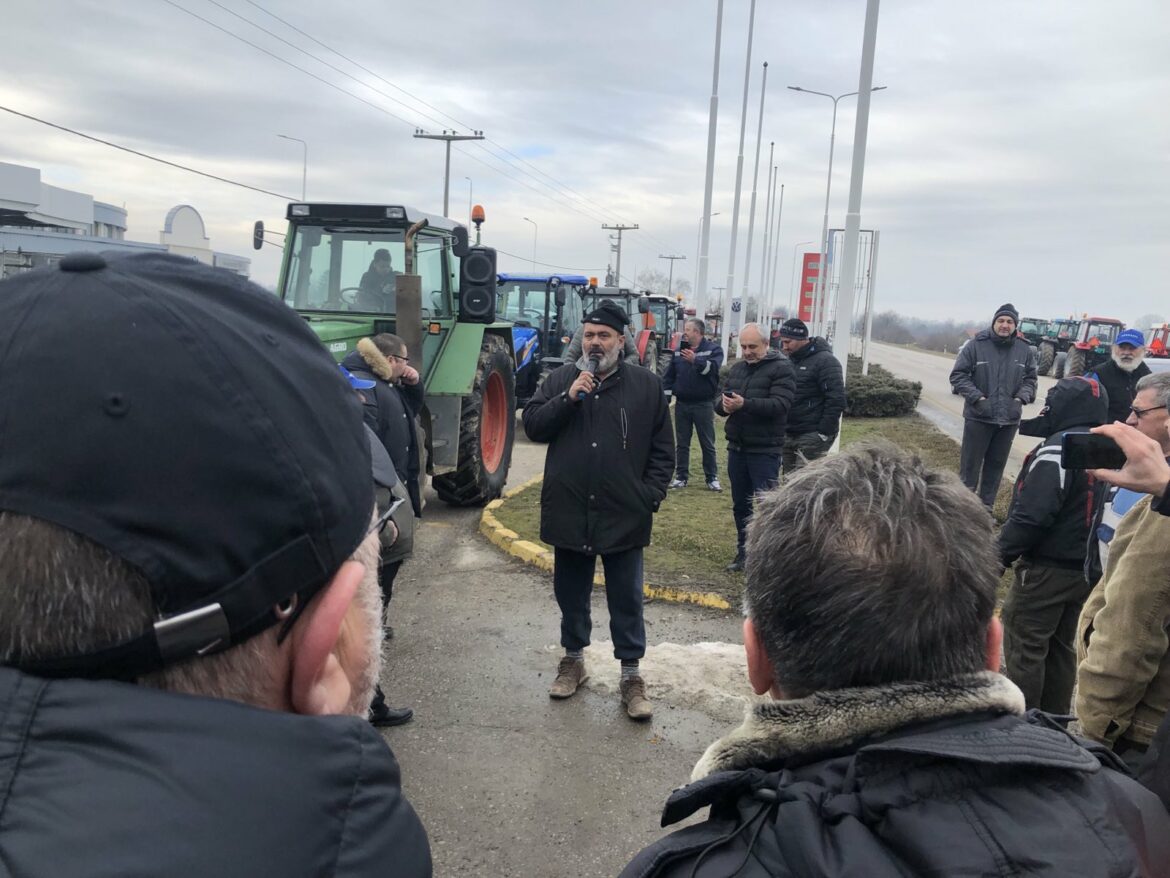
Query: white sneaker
{"points": [[679, 483], [714, 485]]}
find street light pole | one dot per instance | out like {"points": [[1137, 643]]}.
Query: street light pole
{"points": [[304, 161], [470, 190], [698, 257], [670, 281], [704, 222], [447, 136], [822, 270], [535, 229]]}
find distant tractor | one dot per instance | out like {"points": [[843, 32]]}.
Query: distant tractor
{"points": [[1093, 344], [438, 294], [1052, 350], [666, 317], [1158, 341], [545, 311], [646, 340]]}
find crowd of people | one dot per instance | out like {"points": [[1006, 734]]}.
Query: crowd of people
{"points": [[194, 580]]}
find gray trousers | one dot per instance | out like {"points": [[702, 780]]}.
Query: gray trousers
{"points": [[800, 448], [1039, 633], [984, 455]]}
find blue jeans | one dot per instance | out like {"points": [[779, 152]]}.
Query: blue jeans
{"points": [[750, 472], [700, 416], [573, 585]]}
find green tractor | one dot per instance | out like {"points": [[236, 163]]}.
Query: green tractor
{"points": [[1052, 349], [1034, 330], [439, 296]]}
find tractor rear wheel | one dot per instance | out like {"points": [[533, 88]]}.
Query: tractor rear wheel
{"points": [[664, 359], [1058, 365], [650, 361], [1045, 357], [487, 427], [1075, 363]]}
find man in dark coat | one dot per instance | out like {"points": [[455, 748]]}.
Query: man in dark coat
{"points": [[889, 745], [1048, 530], [996, 373], [755, 400], [378, 287], [189, 611], [611, 452], [1120, 375], [692, 378], [815, 417]]}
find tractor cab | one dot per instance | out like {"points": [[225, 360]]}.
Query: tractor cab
{"points": [[666, 316], [1094, 341], [1158, 341], [545, 311]]}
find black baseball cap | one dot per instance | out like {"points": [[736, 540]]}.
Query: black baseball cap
{"points": [[190, 423], [608, 314]]}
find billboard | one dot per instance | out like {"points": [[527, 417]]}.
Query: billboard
{"points": [[808, 282]]}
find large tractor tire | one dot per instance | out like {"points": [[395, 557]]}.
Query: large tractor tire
{"points": [[1045, 357], [650, 361], [1074, 364], [487, 428], [1058, 365], [664, 359]]}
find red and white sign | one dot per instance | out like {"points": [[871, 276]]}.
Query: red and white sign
{"points": [[808, 283]]}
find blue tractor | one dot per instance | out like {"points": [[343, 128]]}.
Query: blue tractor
{"points": [[545, 311]]}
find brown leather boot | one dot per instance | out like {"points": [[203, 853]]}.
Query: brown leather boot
{"points": [[634, 698], [570, 675]]}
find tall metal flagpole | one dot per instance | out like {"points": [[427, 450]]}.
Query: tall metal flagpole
{"points": [[747, 76], [847, 292], [776, 242], [705, 223], [764, 251], [747, 259]]}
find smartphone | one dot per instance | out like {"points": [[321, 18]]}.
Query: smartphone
{"points": [[683, 344], [1090, 451], [728, 393]]}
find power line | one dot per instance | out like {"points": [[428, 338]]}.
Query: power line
{"points": [[145, 155], [584, 271]]}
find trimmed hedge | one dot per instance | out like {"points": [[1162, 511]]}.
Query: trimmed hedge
{"points": [[879, 394]]}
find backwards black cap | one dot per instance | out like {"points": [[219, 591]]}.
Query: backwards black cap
{"points": [[203, 435]]}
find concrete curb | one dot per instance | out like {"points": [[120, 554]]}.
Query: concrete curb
{"points": [[540, 557]]}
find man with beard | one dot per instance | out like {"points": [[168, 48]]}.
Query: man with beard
{"points": [[996, 373], [1121, 374], [1047, 530], [189, 610], [610, 458]]}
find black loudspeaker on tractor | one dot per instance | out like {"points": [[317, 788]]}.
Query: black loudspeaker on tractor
{"points": [[477, 285]]}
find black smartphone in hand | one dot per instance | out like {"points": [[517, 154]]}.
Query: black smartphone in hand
{"points": [[1090, 451], [728, 394]]}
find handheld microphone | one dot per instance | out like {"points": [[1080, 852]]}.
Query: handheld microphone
{"points": [[594, 363]]}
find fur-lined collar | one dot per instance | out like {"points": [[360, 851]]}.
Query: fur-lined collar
{"points": [[375, 359], [834, 719]]}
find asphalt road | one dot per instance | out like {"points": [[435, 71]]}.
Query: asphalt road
{"points": [[942, 407], [507, 782]]}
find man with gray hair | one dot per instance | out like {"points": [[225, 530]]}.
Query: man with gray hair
{"points": [[190, 626], [890, 744], [1120, 374]]}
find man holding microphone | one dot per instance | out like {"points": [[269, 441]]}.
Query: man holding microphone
{"points": [[610, 457]]}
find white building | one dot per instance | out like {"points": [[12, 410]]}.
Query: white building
{"points": [[40, 223]]}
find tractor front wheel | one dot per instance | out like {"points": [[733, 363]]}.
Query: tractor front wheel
{"points": [[487, 428], [1058, 365], [650, 361], [1075, 363], [1046, 356]]}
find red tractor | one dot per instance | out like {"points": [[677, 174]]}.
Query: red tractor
{"points": [[665, 317], [1158, 341], [647, 340], [1093, 345]]}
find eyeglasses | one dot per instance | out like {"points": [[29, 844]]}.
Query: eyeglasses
{"points": [[400, 359], [1137, 413]]}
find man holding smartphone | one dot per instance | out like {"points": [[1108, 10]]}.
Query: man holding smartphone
{"points": [[1047, 530], [755, 400], [692, 378]]}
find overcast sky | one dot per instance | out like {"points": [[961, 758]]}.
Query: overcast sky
{"points": [[1018, 154]]}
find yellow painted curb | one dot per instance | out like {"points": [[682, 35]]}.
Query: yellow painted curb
{"points": [[541, 558]]}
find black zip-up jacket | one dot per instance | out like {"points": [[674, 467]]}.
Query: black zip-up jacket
{"points": [[820, 391], [105, 778], [697, 381], [767, 387], [389, 410], [1051, 515], [610, 458], [1120, 385], [996, 376]]}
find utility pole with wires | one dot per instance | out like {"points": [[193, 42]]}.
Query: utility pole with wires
{"points": [[447, 136], [670, 281], [619, 228]]}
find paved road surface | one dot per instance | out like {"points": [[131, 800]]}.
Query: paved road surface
{"points": [[506, 782], [941, 406]]}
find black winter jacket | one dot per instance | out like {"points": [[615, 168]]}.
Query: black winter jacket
{"points": [[1120, 386], [820, 391], [942, 778], [390, 411], [697, 381], [1051, 515], [106, 778], [767, 387], [609, 460], [996, 376]]}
